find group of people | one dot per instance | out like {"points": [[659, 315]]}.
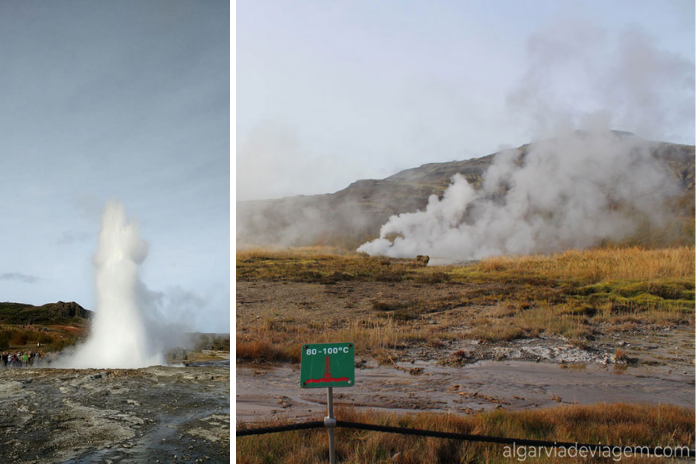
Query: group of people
{"points": [[26, 359]]}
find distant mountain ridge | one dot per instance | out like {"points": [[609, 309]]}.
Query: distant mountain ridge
{"points": [[355, 214], [48, 314]]}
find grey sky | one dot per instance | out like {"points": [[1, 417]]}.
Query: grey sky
{"points": [[124, 100], [332, 92]]}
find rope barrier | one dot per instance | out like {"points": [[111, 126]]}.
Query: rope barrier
{"points": [[281, 428], [642, 450], [509, 441]]}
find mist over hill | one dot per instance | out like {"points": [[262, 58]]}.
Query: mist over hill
{"points": [[574, 191]]}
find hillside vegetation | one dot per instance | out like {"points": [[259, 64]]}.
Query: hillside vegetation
{"points": [[51, 313], [52, 326]]}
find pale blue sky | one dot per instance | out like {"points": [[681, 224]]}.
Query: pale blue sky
{"points": [[331, 92], [124, 100]]}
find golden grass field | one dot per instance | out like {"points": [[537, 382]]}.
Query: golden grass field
{"points": [[572, 294]]}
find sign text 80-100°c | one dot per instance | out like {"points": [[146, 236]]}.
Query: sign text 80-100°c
{"points": [[327, 365]]}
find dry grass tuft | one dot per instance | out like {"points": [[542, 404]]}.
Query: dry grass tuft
{"points": [[262, 351], [620, 356]]}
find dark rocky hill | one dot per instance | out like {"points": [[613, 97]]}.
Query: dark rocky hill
{"points": [[60, 313], [355, 214]]}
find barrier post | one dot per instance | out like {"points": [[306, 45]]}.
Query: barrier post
{"points": [[330, 424]]}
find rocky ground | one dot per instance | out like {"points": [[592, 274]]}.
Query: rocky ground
{"points": [[667, 347], [156, 414]]}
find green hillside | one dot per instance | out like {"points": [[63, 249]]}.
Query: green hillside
{"points": [[59, 313]]}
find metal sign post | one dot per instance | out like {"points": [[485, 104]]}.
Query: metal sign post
{"points": [[330, 424], [328, 365]]}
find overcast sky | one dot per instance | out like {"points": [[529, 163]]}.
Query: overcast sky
{"points": [[125, 100], [332, 92]]}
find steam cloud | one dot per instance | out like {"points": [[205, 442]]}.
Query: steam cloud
{"points": [[567, 192], [574, 190], [119, 337]]}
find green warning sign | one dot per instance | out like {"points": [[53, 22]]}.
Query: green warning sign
{"points": [[327, 365]]}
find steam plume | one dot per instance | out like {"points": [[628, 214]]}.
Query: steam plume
{"points": [[568, 192], [575, 190], [119, 337]]}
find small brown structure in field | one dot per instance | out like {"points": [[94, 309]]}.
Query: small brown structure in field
{"points": [[422, 260]]}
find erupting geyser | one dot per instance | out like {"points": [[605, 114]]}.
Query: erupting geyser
{"points": [[118, 337]]}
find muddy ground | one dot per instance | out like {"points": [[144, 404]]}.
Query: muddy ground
{"points": [[459, 375], [268, 392], [156, 414]]}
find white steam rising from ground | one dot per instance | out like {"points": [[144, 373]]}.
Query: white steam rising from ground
{"points": [[572, 191], [119, 336], [569, 192]]}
